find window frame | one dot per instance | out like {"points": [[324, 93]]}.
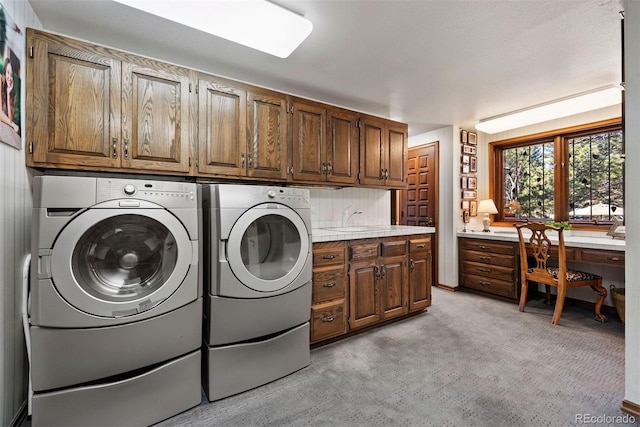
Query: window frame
{"points": [[560, 174]]}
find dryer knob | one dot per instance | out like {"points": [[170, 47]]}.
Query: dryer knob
{"points": [[271, 194], [129, 189]]}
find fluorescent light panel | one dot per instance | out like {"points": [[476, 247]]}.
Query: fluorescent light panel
{"points": [[257, 24], [587, 101]]}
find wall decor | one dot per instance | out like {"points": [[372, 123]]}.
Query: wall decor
{"points": [[473, 166], [465, 159], [12, 50], [473, 208], [472, 183], [465, 205], [465, 168], [464, 182], [463, 136], [468, 194], [472, 138], [469, 149]]}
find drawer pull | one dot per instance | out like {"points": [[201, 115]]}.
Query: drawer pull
{"points": [[485, 258], [485, 270], [329, 319], [420, 246], [329, 285], [484, 283], [486, 248], [328, 257], [613, 258]]}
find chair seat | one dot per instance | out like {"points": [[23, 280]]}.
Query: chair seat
{"points": [[572, 275]]}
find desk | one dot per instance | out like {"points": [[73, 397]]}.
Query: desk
{"points": [[489, 262]]}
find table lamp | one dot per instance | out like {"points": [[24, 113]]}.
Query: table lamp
{"points": [[487, 207]]}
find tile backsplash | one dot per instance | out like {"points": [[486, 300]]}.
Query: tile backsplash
{"points": [[327, 206]]}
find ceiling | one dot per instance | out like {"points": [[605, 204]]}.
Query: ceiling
{"points": [[429, 63]]}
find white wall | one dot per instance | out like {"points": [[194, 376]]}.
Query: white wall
{"points": [[15, 217], [632, 199], [447, 215]]}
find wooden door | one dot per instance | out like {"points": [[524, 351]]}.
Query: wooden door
{"points": [[419, 200], [393, 287], [155, 116], [364, 299], [266, 135], [222, 125], [342, 146], [73, 103], [420, 278], [372, 137], [309, 141], [396, 156]]}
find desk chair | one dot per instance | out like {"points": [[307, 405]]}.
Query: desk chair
{"points": [[560, 276]]}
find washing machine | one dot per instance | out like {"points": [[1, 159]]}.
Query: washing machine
{"points": [[258, 271], [115, 300]]}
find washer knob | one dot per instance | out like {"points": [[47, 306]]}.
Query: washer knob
{"points": [[129, 189], [271, 194]]}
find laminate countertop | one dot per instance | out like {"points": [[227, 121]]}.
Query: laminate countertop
{"points": [[572, 238], [329, 234]]}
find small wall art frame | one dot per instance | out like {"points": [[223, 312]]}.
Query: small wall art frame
{"points": [[469, 194], [472, 138]]}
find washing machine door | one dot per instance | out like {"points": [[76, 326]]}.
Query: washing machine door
{"points": [[268, 247], [120, 262]]}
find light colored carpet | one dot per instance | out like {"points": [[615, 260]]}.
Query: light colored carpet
{"points": [[469, 361]]}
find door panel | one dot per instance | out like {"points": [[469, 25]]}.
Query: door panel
{"points": [[363, 294], [309, 142], [420, 198], [393, 287], [342, 147], [267, 135]]}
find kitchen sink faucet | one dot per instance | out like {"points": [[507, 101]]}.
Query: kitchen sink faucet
{"points": [[347, 213]]}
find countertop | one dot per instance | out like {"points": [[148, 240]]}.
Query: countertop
{"points": [[571, 238], [329, 234]]}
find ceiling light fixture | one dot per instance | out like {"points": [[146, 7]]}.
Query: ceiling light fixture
{"points": [[257, 24], [580, 103]]}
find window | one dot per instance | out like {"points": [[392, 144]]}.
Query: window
{"points": [[573, 174]]}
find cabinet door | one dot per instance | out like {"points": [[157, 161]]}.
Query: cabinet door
{"points": [[267, 135], [393, 287], [364, 299], [222, 122], [372, 136], [155, 116], [73, 103], [309, 141], [342, 146], [396, 151], [420, 276]]}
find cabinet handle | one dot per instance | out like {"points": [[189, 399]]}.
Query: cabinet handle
{"points": [[329, 319], [115, 148], [383, 272], [485, 270], [381, 174], [386, 173], [486, 248], [613, 258], [242, 160], [485, 258], [420, 246], [323, 168], [484, 283], [250, 161], [328, 256], [412, 265], [329, 168], [291, 170], [376, 271], [329, 285], [126, 149]]}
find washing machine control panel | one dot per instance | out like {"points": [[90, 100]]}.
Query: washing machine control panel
{"points": [[165, 193], [298, 196]]}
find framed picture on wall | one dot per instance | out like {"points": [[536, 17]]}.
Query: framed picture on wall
{"points": [[464, 183], [472, 138], [469, 149], [465, 159], [472, 183], [469, 194], [473, 165], [465, 168], [465, 205], [473, 207], [463, 136]]}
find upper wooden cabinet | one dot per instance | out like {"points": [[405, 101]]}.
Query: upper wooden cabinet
{"points": [[324, 143], [91, 107], [383, 153]]}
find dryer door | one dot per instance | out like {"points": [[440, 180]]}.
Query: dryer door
{"points": [[120, 262], [268, 247]]}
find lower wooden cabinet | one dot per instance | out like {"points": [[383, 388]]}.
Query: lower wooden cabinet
{"points": [[489, 266], [379, 279]]}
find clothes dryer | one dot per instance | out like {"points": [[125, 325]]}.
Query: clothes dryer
{"points": [[258, 271], [116, 300]]}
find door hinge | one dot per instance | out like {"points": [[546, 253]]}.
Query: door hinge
{"points": [[358, 123], [30, 51], [358, 176], [31, 144]]}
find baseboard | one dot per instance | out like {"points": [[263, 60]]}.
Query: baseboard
{"points": [[448, 287], [630, 408], [20, 417]]}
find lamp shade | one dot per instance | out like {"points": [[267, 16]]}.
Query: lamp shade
{"points": [[487, 206]]}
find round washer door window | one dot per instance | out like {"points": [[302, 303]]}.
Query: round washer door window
{"points": [[121, 264], [268, 248]]}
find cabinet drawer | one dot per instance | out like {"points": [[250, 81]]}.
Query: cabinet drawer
{"points": [[329, 253], [478, 269], [489, 258], [553, 253], [490, 285], [329, 283], [328, 320], [603, 257], [488, 246], [393, 247], [364, 250], [419, 245]]}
